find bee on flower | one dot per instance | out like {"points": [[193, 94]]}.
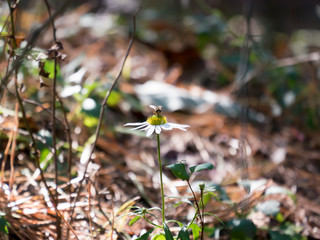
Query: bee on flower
{"points": [[156, 123], [156, 110]]}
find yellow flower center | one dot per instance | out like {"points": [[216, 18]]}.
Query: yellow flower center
{"points": [[157, 120]]}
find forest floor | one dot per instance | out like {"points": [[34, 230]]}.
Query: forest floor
{"points": [[265, 171]]}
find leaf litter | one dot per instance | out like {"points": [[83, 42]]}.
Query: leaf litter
{"points": [[123, 173]]}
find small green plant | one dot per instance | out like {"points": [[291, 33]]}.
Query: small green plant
{"points": [[4, 224], [156, 123]]}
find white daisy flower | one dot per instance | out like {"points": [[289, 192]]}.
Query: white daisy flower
{"points": [[156, 123]]}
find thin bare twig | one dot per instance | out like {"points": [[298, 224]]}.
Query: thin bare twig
{"points": [[13, 147], [6, 152], [12, 55], [53, 122], [14, 69], [34, 36], [89, 208], [52, 21], [68, 132], [24, 117], [103, 106], [34, 151], [12, 131]]}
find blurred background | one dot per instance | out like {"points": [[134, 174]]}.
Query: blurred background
{"points": [[244, 75]]}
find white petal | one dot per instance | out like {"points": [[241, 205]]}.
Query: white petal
{"points": [[139, 127], [150, 130], [179, 126], [146, 128], [176, 125], [183, 129], [143, 128], [166, 126], [136, 124], [158, 129]]}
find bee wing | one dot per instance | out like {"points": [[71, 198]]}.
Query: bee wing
{"points": [[153, 106]]}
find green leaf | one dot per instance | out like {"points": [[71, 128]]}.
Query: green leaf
{"points": [[279, 236], [178, 204], [134, 220], [201, 167], [43, 154], [114, 99], [279, 217], [145, 236], [159, 236], [179, 170], [175, 221], [49, 67], [183, 234], [183, 200], [195, 231], [45, 158], [4, 225], [215, 196], [90, 121], [167, 232], [215, 216], [287, 231], [205, 199], [242, 229], [90, 87]]}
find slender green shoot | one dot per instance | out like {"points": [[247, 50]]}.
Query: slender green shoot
{"points": [[161, 181]]}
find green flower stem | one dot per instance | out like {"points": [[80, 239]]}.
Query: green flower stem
{"points": [[161, 182], [202, 212]]}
